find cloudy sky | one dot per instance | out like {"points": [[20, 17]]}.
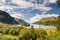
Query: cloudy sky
{"points": [[30, 10]]}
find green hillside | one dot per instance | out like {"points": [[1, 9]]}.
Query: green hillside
{"points": [[47, 21]]}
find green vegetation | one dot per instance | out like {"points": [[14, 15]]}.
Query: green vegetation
{"points": [[7, 32], [58, 20], [48, 23], [21, 33], [58, 3], [25, 24], [58, 23], [53, 34], [1, 16]]}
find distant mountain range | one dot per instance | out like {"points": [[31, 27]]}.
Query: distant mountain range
{"points": [[6, 18], [47, 21]]}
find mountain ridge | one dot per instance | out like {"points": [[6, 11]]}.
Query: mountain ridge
{"points": [[47, 21], [6, 18]]}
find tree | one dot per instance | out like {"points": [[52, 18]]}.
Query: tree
{"points": [[58, 23], [58, 3], [32, 34], [58, 20]]}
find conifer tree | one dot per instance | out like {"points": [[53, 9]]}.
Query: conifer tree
{"points": [[58, 20]]}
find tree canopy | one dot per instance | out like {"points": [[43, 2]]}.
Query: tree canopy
{"points": [[58, 3]]}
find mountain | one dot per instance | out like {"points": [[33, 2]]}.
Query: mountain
{"points": [[19, 20], [6, 18], [22, 22], [47, 21]]}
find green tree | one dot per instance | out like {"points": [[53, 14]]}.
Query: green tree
{"points": [[32, 34], [58, 3], [58, 20], [58, 23]]}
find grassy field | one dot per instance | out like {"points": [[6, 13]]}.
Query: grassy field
{"points": [[8, 37]]}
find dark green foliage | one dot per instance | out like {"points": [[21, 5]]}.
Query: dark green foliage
{"points": [[58, 3], [10, 30], [26, 33], [58, 23], [32, 34], [23, 33], [25, 24]]}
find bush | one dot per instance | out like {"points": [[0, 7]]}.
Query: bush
{"points": [[32, 34]]}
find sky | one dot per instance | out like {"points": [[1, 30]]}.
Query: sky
{"points": [[30, 10]]}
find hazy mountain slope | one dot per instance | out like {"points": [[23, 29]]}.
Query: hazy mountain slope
{"points": [[47, 21], [6, 18]]}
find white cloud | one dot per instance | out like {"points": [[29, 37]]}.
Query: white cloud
{"points": [[6, 8], [52, 1], [49, 1], [42, 7], [9, 8], [44, 12], [39, 17], [1, 7], [2, 2], [27, 4], [17, 15], [22, 3]]}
